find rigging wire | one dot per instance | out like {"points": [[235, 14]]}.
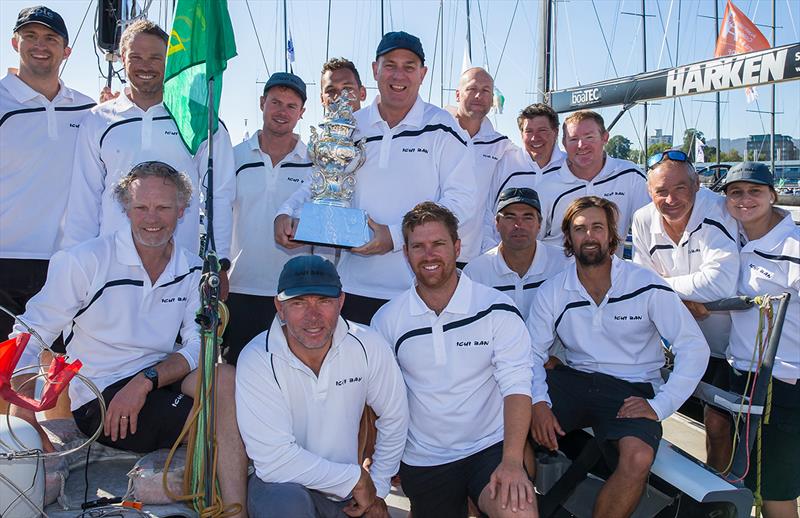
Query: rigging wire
{"points": [[64, 66], [435, 48], [665, 29], [617, 13], [510, 26], [328, 33], [452, 54], [483, 35], [571, 47], [260, 47]]}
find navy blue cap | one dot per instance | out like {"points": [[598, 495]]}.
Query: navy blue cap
{"points": [[289, 81], [400, 40], [518, 195], [308, 275], [752, 172], [44, 16]]}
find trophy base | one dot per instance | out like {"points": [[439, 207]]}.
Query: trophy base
{"points": [[329, 225]]}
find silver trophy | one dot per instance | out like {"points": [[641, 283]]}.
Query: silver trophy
{"points": [[328, 218]]}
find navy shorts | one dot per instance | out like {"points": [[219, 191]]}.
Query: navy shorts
{"points": [[159, 424], [442, 491], [780, 441], [583, 399]]}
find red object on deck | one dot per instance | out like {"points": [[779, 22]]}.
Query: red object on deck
{"points": [[57, 379]]}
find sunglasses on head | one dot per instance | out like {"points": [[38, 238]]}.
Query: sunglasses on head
{"points": [[675, 155]]}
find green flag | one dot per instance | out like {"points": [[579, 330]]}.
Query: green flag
{"points": [[200, 45]]}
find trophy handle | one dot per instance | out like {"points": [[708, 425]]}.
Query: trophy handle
{"points": [[362, 156]]}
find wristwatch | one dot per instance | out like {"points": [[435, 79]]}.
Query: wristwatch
{"points": [[152, 374]]}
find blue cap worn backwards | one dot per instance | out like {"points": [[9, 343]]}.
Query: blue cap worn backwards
{"points": [[752, 172], [400, 40], [308, 275]]}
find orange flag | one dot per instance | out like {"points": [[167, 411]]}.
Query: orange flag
{"points": [[739, 35]]}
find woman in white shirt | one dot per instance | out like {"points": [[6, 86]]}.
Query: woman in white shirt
{"points": [[770, 265]]}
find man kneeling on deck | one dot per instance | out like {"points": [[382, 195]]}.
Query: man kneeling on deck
{"points": [[301, 387], [610, 315], [124, 298]]}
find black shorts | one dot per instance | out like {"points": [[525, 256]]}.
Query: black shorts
{"points": [[160, 420], [582, 399], [360, 309], [251, 315], [442, 491], [717, 374], [21, 279], [780, 441]]}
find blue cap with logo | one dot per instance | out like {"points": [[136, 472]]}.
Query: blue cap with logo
{"points": [[752, 172], [308, 275], [289, 81], [43, 16], [518, 195], [400, 40]]}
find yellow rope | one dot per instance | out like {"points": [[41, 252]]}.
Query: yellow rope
{"points": [[216, 508]]}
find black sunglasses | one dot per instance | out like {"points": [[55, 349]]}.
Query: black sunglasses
{"points": [[675, 155]]}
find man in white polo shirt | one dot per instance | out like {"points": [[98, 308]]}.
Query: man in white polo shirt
{"points": [[589, 171], [270, 166], [415, 152], [610, 315], [135, 127], [475, 95], [300, 389], [124, 298], [339, 74], [520, 263], [465, 357], [540, 155], [39, 120], [686, 236]]}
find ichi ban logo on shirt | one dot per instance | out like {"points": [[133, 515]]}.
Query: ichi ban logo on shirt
{"points": [[628, 317], [763, 271], [173, 299], [414, 150], [472, 343], [345, 381]]}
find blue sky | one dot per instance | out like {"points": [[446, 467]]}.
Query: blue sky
{"points": [[581, 55]]}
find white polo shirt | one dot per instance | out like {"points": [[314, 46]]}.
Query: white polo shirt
{"points": [[702, 267], [458, 366], [770, 266], [488, 147], [424, 157], [115, 321], [516, 169], [619, 180], [621, 336], [303, 428], [117, 135], [37, 139], [490, 269], [257, 260]]}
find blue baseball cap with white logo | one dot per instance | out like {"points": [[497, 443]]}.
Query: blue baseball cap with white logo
{"points": [[308, 275], [43, 16]]}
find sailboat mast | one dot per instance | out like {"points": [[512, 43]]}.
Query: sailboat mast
{"points": [[543, 69], [285, 39], [382, 29], [719, 138], [772, 109], [441, 50], [644, 64], [469, 35]]}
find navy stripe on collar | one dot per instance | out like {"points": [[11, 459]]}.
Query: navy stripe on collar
{"points": [[248, 166], [457, 323], [771, 257], [495, 141], [415, 133], [127, 121], [660, 247], [42, 108], [292, 164], [709, 221]]}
